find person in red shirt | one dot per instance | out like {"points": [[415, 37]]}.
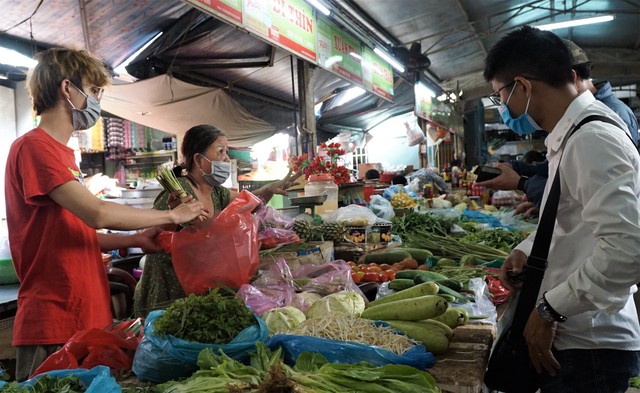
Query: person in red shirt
{"points": [[52, 217]]}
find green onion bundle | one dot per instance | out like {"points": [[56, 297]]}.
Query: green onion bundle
{"points": [[169, 182]]}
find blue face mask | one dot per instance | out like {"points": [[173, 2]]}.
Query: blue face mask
{"points": [[523, 124]]}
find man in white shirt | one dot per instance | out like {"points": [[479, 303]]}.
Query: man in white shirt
{"points": [[584, 335]]}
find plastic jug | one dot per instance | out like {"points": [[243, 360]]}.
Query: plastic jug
{"points": [[320, 185]]}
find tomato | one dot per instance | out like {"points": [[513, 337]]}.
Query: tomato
{"points": [[356, 278], [423, 267], [268, 243], [389, 275], [371, 277], [385, 266], [375, 269], [373, 264], [351, 263]]}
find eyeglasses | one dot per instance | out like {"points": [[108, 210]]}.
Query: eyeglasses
{"points": [[495, 96], [96, 91]]}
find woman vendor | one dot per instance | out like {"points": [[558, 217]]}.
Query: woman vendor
{"points": [[205, 151]]}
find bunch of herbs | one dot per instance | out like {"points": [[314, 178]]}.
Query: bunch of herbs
{"points": [[210, 318]]}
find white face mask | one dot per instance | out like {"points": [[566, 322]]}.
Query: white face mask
{"points": [[220, 171], [84, 119]]}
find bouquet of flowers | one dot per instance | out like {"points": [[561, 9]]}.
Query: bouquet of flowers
{"points": [[322, 163]]}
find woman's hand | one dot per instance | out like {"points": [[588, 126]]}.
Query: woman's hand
{"points": [[512, 266], [281, 186]]}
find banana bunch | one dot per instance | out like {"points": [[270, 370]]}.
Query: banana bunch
{"points": [[402, 199]]}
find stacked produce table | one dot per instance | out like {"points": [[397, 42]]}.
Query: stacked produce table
{"points": [[461, 369]]}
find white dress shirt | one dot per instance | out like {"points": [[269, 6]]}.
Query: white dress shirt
{"points": [[594, 258]]}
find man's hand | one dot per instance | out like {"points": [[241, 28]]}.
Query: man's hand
{"points": [[507, 180], [539, 335], [511, 267], [146, 240], [174, 201], [187, 211]]}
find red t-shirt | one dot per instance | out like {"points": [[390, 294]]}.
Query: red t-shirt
{"points": [[63, 284]]}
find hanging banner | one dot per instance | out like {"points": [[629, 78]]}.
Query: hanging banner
{"points": [[424, 105], [377, 75], [289, 24], [339, 52], [229, 10]]}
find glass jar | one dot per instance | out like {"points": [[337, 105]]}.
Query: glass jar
{"points": [[320, 185]]}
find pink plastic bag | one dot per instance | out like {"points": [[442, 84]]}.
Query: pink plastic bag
{"points": [[275, 288], [222, 250]]}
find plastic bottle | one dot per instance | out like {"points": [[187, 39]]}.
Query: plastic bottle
{"points": [[455, 177], [320, 185]]}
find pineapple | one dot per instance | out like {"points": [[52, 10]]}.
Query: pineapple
{"points": [[332, 231], [303, 228]]}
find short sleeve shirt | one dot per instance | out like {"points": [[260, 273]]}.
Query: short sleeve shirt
{"points": [[63, 284]]}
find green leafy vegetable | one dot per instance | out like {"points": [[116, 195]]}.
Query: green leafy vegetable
{"points": [[311, 373], [47, 384], [211, 319], [501, 239]]}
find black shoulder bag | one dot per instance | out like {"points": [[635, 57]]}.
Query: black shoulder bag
{"points": [[509, 369]]}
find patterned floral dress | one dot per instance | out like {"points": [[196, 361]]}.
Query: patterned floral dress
{"points": [[159, 285]]}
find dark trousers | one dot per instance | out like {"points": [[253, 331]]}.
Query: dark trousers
{"points": [[592, 371]]}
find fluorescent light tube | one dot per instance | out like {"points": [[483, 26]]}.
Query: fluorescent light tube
{"points": [[394, 63], [576, 22], [320, 7], [13, 58], [121, 69]]}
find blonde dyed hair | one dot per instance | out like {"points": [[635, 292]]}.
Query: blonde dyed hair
{"points": [[56, 65]]}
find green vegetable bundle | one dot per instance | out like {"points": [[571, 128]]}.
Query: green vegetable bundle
{"points": [[169, 182], [311, 373], [408, 224], [47, 384], [446, 246], [501, 239], [211, 319]]}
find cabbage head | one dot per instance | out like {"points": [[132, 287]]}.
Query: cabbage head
{"points": [[344, 302], [283, 319]]}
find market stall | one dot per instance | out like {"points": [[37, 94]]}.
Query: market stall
{"points": [[421, 284]]}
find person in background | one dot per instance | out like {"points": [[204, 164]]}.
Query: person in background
{"points": [[372, 175], [602, 91], [399, 180], [52, 217], [583, 333], [205, 151], [532, 179]]}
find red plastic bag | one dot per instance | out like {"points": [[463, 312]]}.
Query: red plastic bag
{"points": [[221, 250], [113, 347]]}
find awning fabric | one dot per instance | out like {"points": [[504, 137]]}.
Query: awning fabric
{"points": [[168, 104]]}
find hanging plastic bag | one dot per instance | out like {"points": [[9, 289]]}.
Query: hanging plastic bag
{"points": [[415, 136], [96, 380], [221, 250], [163, 358], [113, 347]]}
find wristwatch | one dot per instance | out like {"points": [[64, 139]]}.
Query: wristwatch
{"points": [[547, 313], [522, 183]]}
